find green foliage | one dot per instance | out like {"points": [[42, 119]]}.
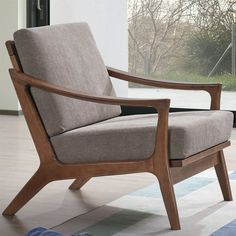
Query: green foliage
{"points": [[204, 50], [210, 38]]}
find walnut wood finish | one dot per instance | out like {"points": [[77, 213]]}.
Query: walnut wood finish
{"points": [[223, 177], [213, 89], [199, 156], [79, 183], [13, 55], [167, 171]]}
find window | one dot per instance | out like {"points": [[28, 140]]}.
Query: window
{"points": [[183, 40]]}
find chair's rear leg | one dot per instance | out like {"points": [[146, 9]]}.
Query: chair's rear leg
{"points": [[32, 187], [169, 199], [223, 178], [79, 183]]}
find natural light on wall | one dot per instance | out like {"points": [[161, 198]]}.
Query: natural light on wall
{"points": [[108, 22], [182, 40]]}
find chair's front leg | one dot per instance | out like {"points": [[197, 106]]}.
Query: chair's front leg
{"points": [[32, 187], [162, 170], [167, 190], [223, 178]]}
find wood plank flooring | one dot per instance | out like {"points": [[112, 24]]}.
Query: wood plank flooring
{"points": [[55, 203]]}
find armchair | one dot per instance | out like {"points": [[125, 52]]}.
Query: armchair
{"points": [[73, 116]]}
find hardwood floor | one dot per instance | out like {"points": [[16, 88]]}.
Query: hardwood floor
{"points": [[56, 203]]}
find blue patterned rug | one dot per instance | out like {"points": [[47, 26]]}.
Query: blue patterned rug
{"points": [[201, 209], [227, 230], [40, 231]]}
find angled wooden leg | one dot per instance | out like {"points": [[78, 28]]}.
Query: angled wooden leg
{"points": [[223, 178], [79, 183], [168, 195], [32, 187]]}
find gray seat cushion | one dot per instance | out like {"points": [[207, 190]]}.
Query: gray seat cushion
{"points": [[133, 137], [65, 55]]}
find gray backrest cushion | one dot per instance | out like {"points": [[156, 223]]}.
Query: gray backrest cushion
{"points": [[65, 55]]}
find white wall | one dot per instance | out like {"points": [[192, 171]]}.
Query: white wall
{"points": [[12, 15], [108, 22], [107, 19]]}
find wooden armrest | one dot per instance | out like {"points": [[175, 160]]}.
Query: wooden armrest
{"points": [[213, 89], [29, 81], [23, 83]]}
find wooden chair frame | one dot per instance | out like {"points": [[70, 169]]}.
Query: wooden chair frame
{"points": [[168, 172]]}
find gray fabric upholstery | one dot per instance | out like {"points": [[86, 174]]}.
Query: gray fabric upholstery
{"points": [[65, 55], [133, 137]]}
